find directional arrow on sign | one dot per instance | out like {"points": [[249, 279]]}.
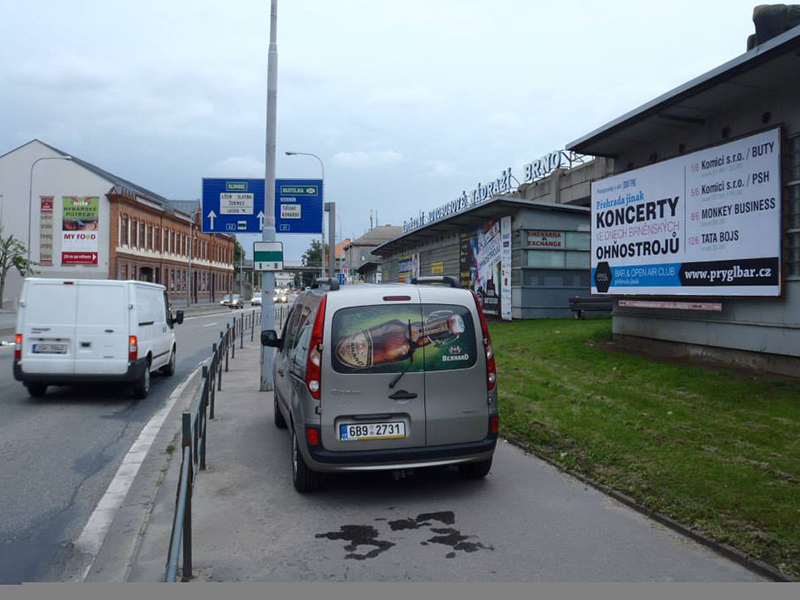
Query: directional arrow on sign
{"points": [[211, 216], [260, 216]]}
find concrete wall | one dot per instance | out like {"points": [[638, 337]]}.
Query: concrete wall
{"points": [[769, 326], [568, 186], [55, 178]]}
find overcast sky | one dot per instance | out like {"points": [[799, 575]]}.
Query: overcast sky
{"points": [[407, 102]]}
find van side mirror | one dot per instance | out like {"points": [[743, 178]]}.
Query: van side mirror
{"points": [[179, 317], [269, 337]]}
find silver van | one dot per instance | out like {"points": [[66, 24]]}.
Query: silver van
{"points": [[386, 377]]}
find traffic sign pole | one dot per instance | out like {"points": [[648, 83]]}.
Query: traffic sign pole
{"points": [[268, 231]]}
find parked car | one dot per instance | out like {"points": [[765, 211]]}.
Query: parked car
{"points": [[232, 301], [386, 377], [86, 331], [256, 301]]}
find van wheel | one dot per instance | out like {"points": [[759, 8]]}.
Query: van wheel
{"points": [[36, 390], [280, 422], [142, 387], [305, 480], [475, 470], [169, 368]]}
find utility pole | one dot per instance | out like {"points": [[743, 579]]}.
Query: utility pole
{"points": [[268, 232], [330, 207]]}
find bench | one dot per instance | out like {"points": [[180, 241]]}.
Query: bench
{"points": [[581, 305]]}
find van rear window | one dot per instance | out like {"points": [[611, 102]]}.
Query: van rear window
{"points": [[391, 338]]}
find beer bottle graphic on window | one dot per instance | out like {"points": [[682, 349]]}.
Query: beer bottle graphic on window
{"points": [[395, 340]]}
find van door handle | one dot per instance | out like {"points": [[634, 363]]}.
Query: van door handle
{"points": [[403, 395]]}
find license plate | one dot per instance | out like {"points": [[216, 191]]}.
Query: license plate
{"points": [[353, 432], [49, 348]]}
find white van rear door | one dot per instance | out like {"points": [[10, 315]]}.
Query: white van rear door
{"points": [[102, 328], [48, 326]]}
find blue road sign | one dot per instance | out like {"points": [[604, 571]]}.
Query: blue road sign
{"points": [[233, 205], [341, 278], [298, 206]]}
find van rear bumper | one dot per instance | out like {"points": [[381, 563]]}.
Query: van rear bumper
{"points": [[406, 458], [134, 372]]}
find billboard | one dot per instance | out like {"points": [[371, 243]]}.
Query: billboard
{"points": [[704, 224], [79, 227], [485, 265], [408, 267], [46, 231]]}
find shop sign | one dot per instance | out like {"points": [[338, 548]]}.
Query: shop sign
{"points": [[546, 240], [480, 194], [79, 225], [437, 268], [703, 224], [46, 231]]}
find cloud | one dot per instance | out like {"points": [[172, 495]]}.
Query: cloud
{"points": [[505, 119], [367, 160], [441, 168], [237, 166], [413, 96]]}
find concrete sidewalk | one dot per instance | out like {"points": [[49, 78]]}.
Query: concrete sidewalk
{"points": [[525, 522]]}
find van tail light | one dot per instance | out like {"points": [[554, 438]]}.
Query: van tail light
{"points": [[18, 346], [314, 362], [491, 369], [133, 348]]}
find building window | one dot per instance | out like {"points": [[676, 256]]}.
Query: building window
{"points": [[793, 207], [124, 272], [156, 240], [123, 230]]}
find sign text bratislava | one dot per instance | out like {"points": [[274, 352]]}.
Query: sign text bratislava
{"points": [[704, 224]]}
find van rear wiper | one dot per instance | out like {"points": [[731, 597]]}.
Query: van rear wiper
{"points": [[413, 347]]}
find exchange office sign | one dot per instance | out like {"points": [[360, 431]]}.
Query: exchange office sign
{"points": [[704, 224]]}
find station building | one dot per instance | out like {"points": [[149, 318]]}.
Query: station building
{"points": [[524, 248], [725, 148], [84, 222]]}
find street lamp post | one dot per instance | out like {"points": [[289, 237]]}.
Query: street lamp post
{"points": [[30, 205], [322, 165]]}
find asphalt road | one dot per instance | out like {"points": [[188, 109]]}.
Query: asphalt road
{"points": [[59, 453]]}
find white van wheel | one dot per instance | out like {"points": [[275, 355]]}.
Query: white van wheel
{"points": [[169, 368], [142, 387], [36, 390]]}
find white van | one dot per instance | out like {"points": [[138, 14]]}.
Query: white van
{"points": [[76, 331]]}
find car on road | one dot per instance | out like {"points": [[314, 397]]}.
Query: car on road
{"points": [[386, 377], [232, 301], [281, 296], [256, 301], [86, 331]]}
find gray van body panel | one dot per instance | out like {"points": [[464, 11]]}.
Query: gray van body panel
{"points": [[447, 422]]}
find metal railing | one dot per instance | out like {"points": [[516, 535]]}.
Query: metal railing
{"points": [[194, 439]]}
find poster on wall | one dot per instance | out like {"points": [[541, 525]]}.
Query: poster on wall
{"points": [[46, 231], [79, 226], [704, 224], [408, 267], [482, 256], [505, 268]]}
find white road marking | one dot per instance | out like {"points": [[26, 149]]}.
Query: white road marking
{"points": [[94, 533], [211, 324]]}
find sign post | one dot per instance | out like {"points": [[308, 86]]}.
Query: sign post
{"points": [[268, 256]]}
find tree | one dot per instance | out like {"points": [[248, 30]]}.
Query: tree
{"points": [[12, 255], [312, 257]]}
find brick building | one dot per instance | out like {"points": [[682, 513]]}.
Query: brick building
{"points": [[84, 222]]}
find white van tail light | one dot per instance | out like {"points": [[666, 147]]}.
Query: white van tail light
{"points": [[18, 346], [491, 369], [133, 348], [314, 362]]}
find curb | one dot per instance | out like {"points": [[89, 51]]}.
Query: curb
{"points": [[753, 564], [120, 548]]}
